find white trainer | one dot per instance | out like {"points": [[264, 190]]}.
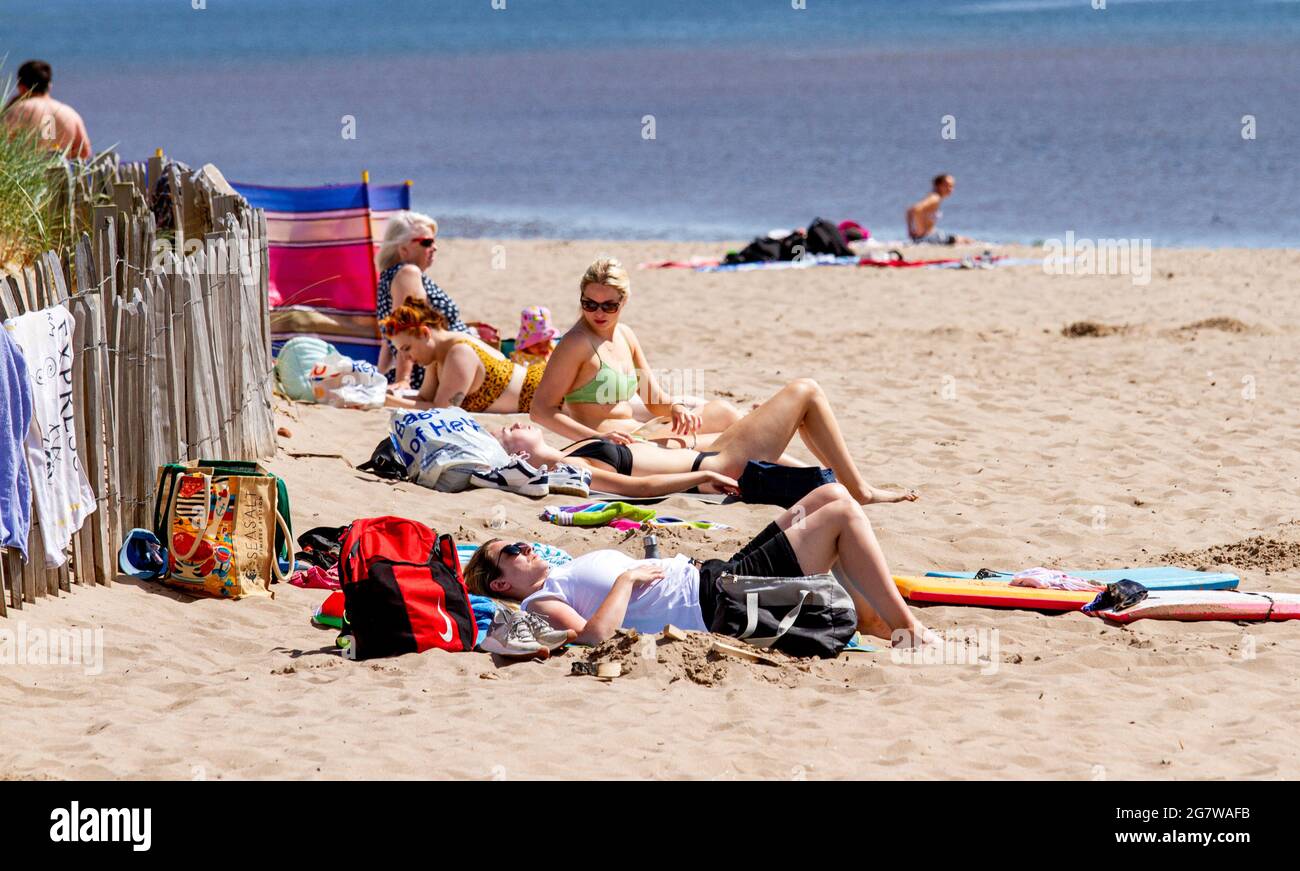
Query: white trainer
{"points": [[516, 477], [570, 480]]}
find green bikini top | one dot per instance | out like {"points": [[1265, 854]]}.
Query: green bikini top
{"points": [[607, 387]]}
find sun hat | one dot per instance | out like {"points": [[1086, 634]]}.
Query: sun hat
{"points": [[535, 327]]}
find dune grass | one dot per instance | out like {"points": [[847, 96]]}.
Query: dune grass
{"points": [[30, 222]]}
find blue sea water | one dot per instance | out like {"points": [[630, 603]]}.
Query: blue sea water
{"points": [[528, 120]]}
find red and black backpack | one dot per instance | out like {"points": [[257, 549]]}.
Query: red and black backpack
{"points": [[403, 590]]}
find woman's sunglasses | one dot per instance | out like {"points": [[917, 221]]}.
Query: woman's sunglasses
{"points": [[424, 243], [609, 308], [510, 550]]}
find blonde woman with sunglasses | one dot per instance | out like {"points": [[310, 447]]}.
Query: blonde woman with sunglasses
{"points": [[598, 383], [408, 250]]}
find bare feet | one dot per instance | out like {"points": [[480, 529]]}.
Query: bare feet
{"points": [[915, 637], [878, 496], [872, 624]]}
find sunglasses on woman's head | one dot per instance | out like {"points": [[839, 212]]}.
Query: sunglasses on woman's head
{"points": [[590, 305]]}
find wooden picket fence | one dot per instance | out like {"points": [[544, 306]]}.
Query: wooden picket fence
{"points": [[166, 278]]}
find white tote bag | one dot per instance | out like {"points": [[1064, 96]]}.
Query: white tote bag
{"points": [[442, 446], [346, 383]]}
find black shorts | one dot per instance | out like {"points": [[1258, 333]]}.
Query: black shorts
{"points": [[768, 555]]}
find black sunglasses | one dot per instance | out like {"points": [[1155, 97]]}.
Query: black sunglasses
{"points": [[509, 550], [590, 305], [424, 243]]}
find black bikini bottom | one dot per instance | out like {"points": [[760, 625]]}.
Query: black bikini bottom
{"points": [[695, 466]]}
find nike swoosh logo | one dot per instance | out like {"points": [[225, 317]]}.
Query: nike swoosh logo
{"points": [[445, 636]]}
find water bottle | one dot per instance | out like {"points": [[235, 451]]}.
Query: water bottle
{"points": [[651, 546]]}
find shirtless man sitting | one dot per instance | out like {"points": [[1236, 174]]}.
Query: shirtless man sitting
{"points": [[32, 108], [923, 217]]}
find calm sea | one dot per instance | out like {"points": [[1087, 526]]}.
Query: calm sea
{"points": [[533, 120]]}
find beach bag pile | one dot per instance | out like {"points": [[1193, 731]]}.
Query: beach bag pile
{"points": [[441, 447], [310, 370]]}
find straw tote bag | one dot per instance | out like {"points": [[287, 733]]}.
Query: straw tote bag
{"points": [[221, 529]]}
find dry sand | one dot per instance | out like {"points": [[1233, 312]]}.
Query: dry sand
{"points": [[1168, 426]]}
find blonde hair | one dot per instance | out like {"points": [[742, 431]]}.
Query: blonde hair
{"points": [[402, 228], [610, 273]]}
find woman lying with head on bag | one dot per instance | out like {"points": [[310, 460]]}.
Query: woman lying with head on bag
{"points": [[648, 468], [605, 590]]}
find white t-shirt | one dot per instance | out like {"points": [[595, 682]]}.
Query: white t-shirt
{"points": [[584, 583], [59, 486]]}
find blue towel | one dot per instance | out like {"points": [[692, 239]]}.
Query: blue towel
{"points": [[16, 414], [483, 608]]}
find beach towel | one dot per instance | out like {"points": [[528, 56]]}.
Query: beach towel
{"points": [[710, 498], [693, 263], [619, 515], [15, 481], [548, 552], [60, 488], [806, 262], [984, 261]]}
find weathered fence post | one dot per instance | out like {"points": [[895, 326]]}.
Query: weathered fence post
{"points": [[171, 350]]}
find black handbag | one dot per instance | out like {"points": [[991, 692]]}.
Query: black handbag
{"points": [[807, 616], [770, 484], [385, 462]]}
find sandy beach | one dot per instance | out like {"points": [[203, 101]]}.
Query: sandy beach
{"points": [[1163, 425]]}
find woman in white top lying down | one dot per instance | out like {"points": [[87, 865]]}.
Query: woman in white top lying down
{"points": [[605, 590]]}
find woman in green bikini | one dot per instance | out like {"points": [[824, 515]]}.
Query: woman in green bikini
{"points": [[598, 383]]}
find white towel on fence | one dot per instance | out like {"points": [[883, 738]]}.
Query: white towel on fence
{"points": [[60, 489]]}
